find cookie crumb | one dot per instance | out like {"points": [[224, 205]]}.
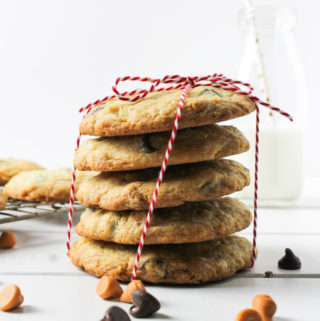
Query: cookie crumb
{"points": [[268, 274]]}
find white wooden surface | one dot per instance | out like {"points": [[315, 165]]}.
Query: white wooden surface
{"points": [[55, 290]]}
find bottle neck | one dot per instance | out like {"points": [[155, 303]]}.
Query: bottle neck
{"points": [[268, 19]]}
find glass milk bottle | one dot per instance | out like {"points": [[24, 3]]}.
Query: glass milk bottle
{"points": [[281, 141]]}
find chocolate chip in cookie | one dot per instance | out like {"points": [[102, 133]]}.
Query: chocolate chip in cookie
{"points": [[212, 91], [145, 145], [208, 188]]}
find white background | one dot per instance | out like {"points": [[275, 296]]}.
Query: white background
{"points": [[57, 56]]}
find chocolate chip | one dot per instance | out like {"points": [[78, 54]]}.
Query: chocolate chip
{"points": [[115, 313], [145, 145], [96, 110], [144, 304], [212, 91], [208, 188], [114, 227], [289, 261]]}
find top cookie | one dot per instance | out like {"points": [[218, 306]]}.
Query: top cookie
{"points": [[119, 191], [44, 185], [143, 151], [10, 167], [156, 112]]}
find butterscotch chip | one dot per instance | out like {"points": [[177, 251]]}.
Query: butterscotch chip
{"points": [[132, 286], [10, 167], [249, 315], [265, 305], [182, 263], [7, 240], [156, 112], [182, 183], [3, 200], [44, 185], [108, 287], [145, 151], [10, 297], [21, 300], [191, 222]]}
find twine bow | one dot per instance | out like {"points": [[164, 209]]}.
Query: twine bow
{"points": [[184, 83], [179, 82]]}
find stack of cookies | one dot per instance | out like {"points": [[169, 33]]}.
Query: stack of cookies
{"points": [[191, 236]]}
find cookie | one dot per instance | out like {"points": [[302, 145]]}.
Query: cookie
{"points": [[44, 185], [3, 200], [156, 112], [10, 167], [144, 151], [178, 263], [118, 191], [191, 222]]}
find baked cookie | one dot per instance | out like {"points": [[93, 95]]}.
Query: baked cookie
{"points": [[156, 112], [191, 222], [182, 183], [3, 200], [178, 263], [10, 167], [143, 151], [44, 185]]}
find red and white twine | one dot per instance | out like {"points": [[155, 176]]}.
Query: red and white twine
{"points": [[255, 197], [160, 178], [184, 83], [72, 187]]}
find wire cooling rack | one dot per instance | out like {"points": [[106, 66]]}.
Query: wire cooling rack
{"points": [[21, 210]]}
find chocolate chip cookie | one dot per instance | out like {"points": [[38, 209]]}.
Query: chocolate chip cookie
{"points": [[191, 222], [178, 263], [3, 200], [156, 112], [44, 185], [10, 167], [143, 151], [118, 191]]}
